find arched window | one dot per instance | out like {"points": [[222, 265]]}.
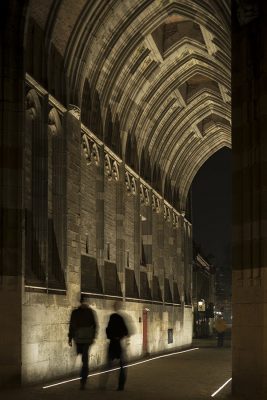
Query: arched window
{"points": [[56, 203], [35, 193]]}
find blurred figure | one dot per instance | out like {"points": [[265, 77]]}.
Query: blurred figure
{"points": [[220, 326], [116, 331], [82, 329]]}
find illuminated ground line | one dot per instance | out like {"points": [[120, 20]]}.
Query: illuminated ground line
{"points": [[220, 388], [127, 366]]}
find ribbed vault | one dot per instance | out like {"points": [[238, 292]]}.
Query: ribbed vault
{"points": [[155, 73]]}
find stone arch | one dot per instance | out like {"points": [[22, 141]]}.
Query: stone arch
{"points": [[86, 107], [116, 137], [35, 192], [56, 203], [168, 191], [96, 117], [108, 130], [34, 65], [145, 167], [131, 156], [176, 199], [157, 178], [186, 183]]}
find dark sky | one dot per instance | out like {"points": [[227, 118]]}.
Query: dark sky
{"points": [[211, 206]]}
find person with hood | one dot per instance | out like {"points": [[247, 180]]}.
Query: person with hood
{"points": [[82, 329]]}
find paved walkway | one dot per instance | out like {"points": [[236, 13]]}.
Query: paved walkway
{"points": [[193, 375]]}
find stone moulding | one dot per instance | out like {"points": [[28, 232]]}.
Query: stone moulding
{"points": [[166, 212], [90, 150], [75, 111], [156, 203], [130, 183], [111, 167], [144, 194]]}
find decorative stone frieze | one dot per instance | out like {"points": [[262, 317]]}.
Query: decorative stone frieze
{"points": [[86, 149], [108, 167], [144, 195], [130, 183], [111, 168], [75, 110], [90, 149], [167, 213], [53, 121], [133, 186], [155, 203], [95, 153], [115, 170], [30, 104]]}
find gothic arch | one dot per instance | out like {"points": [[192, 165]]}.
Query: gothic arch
{"points": [[86, 107]]}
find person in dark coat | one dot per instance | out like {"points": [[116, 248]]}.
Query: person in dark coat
{"points": [[116, 331], [82, 329]]}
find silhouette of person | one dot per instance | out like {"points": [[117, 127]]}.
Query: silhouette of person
{"points": [[220, 327], [82, 329], [116, 330]]}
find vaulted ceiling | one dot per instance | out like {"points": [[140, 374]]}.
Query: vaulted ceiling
{"points": [[160, 68]]}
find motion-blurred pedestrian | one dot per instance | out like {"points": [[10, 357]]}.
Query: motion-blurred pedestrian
{"points": [[82, 329], [116, 331]]}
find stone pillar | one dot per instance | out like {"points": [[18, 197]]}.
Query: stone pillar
{"points": [[72, 128], [249, 139], [11, 189], [100, 183], [159, 242], [182, 266], [120, 232], [137, 235]]}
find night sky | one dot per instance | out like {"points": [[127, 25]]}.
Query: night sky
{"points": [[211, 206]]}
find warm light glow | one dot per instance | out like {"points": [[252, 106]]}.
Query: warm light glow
{"points": [[127, 366]]}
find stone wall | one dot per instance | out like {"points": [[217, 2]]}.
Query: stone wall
{"points": [[47, 356], [93, 225]]}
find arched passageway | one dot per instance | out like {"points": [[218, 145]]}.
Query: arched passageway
{"points": [[133, 96]]}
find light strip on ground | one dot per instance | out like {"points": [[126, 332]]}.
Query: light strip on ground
{"points": [[220, 388], [127, 366]]}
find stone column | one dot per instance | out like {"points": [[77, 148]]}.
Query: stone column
{"points": [[100, 180], [137, 235], [11, 189], [120, 232], [72, 128], [249, 92], [159, 251]]}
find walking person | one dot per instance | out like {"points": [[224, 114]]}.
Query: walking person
{"points": [[82, 329], [220, 327], [116, 330]]}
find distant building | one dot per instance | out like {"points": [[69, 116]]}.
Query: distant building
{"points": [[203, 294]]}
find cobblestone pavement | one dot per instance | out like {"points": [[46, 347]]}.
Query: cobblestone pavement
{"points": [[193, 375]]}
